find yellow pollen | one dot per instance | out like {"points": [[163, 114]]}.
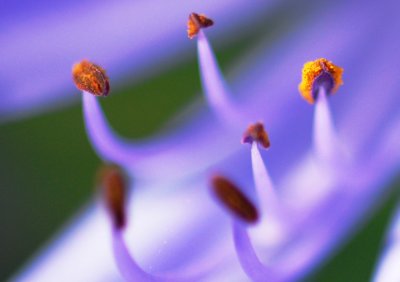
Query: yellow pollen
{"points": [[312, 70]]}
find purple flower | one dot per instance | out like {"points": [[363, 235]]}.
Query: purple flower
{"points": [[40, 42], [326, 167]]}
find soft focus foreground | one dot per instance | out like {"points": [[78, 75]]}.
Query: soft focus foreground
{"points": [[119, 126]]}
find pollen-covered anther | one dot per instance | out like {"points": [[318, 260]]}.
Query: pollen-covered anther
{"points": [[196, 22], [113, 184], [319, 73], [233, 199], [91, 78], [256, 133]]}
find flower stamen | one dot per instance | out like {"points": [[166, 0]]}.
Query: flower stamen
{"points": [[213, 83], [242, 208], [320, 79], [114, 190], [257, 136], [114, 194], [92, 79]]}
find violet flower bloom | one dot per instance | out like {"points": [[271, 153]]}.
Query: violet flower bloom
{"points": [[321, 175], [42, 53]]}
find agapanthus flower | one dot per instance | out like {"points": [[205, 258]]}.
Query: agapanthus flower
{"points": [[40, 41], [207, 202]]}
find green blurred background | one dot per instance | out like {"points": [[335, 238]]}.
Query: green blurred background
{"points": [[47, 167]]}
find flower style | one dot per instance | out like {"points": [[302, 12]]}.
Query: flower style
{"points": [[304, 207]]}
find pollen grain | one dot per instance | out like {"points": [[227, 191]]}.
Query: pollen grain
{"points": [[312, 71]]}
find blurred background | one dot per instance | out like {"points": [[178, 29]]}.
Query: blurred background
{"points": [[48, 167]]}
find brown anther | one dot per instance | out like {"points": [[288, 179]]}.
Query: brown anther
{"points": [[233, 199], [91, 78], [113, 185], [196, 22], [256, 133]]}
